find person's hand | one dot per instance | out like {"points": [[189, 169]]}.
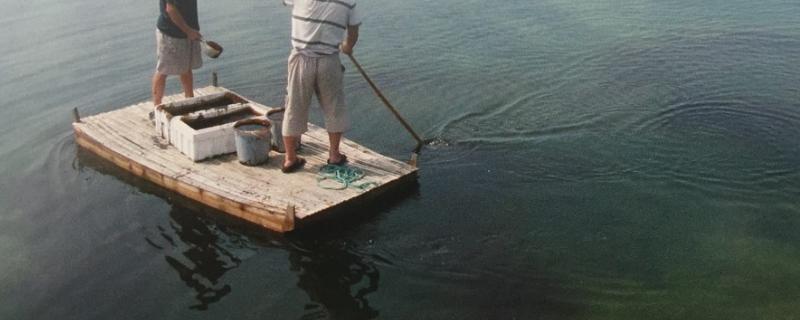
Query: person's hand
{"points": [[194, 35], [346, 48]]}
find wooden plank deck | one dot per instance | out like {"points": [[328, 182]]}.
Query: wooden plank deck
{"points": [[262, 195]]}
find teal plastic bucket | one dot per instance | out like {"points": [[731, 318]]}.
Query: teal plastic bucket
{"points": [[253, 141]]}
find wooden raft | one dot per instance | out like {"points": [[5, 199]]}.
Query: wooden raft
{"points": [[262, 195]]}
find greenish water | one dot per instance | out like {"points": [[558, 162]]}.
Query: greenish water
{"points": [[592, 160]]}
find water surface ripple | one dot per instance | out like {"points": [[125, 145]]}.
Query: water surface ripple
{"points": [[586, 160]]}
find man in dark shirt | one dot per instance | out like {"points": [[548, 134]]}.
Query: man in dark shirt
{"points": [[177, 46]]}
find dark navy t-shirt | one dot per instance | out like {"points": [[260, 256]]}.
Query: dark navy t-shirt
{"points": [[188, 10]]}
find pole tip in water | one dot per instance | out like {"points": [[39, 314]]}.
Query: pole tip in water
{"points": [[413, 160]]}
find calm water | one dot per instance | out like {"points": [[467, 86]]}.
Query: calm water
{"points": [[608, 159]]}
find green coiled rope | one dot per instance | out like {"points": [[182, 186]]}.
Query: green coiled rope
{"points": [[345, 176]]}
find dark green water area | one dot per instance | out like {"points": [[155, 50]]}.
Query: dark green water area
{"points": [[610, 159]]}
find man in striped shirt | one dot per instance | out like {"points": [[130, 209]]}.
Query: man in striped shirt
{"points": [[320, 29]]}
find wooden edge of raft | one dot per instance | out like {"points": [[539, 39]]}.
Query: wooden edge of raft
{"points": [[276, 221]]}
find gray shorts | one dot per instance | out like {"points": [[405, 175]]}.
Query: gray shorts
{"points": [[176, 55], [314, 75]]}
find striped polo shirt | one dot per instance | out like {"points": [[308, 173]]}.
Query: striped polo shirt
{"points": [[319, 26]]}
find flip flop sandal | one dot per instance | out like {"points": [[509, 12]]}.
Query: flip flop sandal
{"points": [[294, 166], [341, 161]]}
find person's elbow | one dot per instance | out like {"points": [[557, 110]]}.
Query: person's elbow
{"points": [[171, 9], [353, 30]]}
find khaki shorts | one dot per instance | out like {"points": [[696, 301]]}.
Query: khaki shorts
{"points": [[176, 55], [314, 75]]}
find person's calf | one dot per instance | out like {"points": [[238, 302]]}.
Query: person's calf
{"points": [[159, 82], [290, 143], [291, 162], [334, 139], [187, 82]]}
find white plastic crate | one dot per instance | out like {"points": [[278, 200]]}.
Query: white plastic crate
{"points": [[204, 142], [202, 127], [165, 113]]}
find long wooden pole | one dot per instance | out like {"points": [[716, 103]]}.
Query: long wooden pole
{"points": [[389, 105]]}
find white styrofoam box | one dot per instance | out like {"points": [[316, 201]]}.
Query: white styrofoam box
{"points": [[207, 142], [166, 113]]}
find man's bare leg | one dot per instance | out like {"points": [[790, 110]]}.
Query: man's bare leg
{"points": [[334, 156], [159, 81], [290, 143], [187, 81]]}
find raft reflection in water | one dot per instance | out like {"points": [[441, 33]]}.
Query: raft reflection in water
{"points": [[203, 246]]}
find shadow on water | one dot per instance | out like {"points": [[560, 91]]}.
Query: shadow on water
{"points": [[198, 248], [202, 244], [336, 279], [199, 257], [337, 276]]}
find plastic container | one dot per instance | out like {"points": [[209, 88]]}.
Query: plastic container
{"points": [[252, 141], [211, 49]]}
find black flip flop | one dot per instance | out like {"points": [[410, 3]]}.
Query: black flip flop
{"points": [[297, 164], [341, 161]]}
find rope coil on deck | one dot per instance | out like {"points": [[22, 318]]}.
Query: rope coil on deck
{"points": [[345, 176]]}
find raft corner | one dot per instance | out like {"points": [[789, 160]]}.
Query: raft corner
{"points": [[288, 218], [76, 117]]}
